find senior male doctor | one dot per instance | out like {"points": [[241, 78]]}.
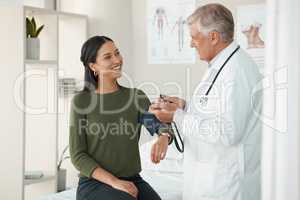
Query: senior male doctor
{"points": [[220, 124]]}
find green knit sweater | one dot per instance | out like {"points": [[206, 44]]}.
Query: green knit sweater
{"points": [[104, 131]]}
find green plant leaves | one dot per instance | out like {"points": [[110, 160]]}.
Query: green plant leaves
{"points": [[39, 30], [31, 28], [33, 23], [28, 27]]}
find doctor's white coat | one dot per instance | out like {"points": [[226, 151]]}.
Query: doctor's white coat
{"points": [[222, 137]]}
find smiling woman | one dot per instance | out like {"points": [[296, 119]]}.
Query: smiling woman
{"points": [[105, 125], [101, 59]]}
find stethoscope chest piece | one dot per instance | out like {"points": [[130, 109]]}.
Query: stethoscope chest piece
{"points": [[203, 101]]}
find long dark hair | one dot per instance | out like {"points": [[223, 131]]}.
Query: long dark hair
{"points": [[88, 55]]}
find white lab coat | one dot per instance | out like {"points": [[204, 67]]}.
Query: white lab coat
{"points": [[223, 138]]}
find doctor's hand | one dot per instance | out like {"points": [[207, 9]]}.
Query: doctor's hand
{"points": [[180, 103], [163, 111], [126, 186], [159, 149], [163, 115]]}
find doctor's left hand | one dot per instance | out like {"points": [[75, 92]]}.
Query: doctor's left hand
{"points": [[163, 111], [159, 149]]}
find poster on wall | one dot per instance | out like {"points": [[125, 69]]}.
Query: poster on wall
{"points": [[167, 30], [251, 29]]}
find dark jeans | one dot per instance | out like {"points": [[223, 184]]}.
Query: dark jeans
{"points": [[91, 189]]}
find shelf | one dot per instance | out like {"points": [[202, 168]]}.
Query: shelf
{"points": [[39, 11], [48, 37], [45, 178], [72, 15], [45, 11], [60, 47], [41, 62]]}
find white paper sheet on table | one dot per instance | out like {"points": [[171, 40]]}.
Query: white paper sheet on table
{"points": [[167, 185]]}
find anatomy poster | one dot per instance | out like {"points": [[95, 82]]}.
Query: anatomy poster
{"points": [[251, 29], [168, 34]]}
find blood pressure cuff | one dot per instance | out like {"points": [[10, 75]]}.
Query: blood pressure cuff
{"points": [[153, 125]]}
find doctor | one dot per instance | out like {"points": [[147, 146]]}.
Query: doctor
{"points": [[220, 125]]}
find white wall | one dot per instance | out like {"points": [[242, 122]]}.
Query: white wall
{"points": [[111, 18], [11, 119], [281, 152], [157, 74]]}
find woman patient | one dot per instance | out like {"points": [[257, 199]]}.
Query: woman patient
{"points": [[105, 125]]}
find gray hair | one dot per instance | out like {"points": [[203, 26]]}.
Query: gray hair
{"points": [[214, 17]]}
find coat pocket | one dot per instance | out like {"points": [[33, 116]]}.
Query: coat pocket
{"points": [[213, 180]]}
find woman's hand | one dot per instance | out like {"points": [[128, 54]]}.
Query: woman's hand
{"points": [[159, 149], [126, 186]]}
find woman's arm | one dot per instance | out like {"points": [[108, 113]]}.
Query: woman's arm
{"points": [[159, 149], [80, 158], [153, 125]]}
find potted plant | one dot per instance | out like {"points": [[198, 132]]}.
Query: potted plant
{"points": [[33, 42], [62, 173]]}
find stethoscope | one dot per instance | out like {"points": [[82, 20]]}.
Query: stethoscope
{"points": [[203, 101]]}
